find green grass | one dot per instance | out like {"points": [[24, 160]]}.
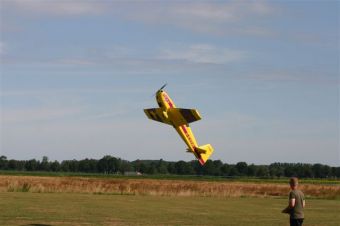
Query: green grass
{"points": [[25, 208]]}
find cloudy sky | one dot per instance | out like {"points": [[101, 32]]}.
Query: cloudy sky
{"points": [[76, 75]]}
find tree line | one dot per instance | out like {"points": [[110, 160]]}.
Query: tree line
{"points": [[112, 165]]}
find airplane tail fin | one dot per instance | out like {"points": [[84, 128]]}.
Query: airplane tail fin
{"points": [[204, 152]]}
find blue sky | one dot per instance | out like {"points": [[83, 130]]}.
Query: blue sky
{"points": [[76, 75]]}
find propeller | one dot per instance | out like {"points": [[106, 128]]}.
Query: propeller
{"points": [[160, 89]]}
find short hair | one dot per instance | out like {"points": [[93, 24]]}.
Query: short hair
{"points": [[293, 181]]}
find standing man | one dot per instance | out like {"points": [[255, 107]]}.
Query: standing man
{"points": [[296, 204]]}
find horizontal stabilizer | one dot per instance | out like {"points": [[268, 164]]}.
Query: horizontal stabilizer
{"points": [[200, 151], [203, 153]]}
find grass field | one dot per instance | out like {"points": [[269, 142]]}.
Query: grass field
{"points": [[42, 209], [42, 200]]}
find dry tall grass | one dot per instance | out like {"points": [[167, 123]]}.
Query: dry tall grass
{"points": [[158, 187]]}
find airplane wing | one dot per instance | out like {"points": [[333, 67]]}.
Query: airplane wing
{"points": [[156, 114], [188, 115]]}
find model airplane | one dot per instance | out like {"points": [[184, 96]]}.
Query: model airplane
{"points": [[179, 118]]}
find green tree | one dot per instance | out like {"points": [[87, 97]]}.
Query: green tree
{"points": [[307, 171], [262, 171], [3, 162], [152, 168], [225, 169], [136, 165], [209, 168], [12, 164], [184, 168], [289, 170], [84, 165], [65, 166], [44, 164], [276, 170], [218, 164], [125, 166], [242, 168], [73, 165], [171, 168], [327, 171], [233, 171], [108, 164], [337, 172], [55, 166], [162, 167], [142, 167], [252, 170], [317, 170], [32, 165]]}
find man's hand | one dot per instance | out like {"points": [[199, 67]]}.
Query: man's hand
{"points": [[286, 210]]}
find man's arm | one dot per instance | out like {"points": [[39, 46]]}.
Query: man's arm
{"points": [[303, 203], [290, 206]]}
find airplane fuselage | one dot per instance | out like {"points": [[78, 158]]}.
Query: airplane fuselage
{"points": [[166, 103]]}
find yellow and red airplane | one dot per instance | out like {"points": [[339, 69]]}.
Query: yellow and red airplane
{"points": [[179, 118]]}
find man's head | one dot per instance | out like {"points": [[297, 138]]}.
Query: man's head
{"points": [[293, 182]]}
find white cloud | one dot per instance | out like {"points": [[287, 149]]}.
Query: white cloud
{"points": [[224, 12], [203, 53], [198, 16], [206, 17], [149, 11], [169, 54]]}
